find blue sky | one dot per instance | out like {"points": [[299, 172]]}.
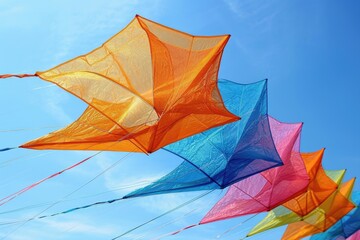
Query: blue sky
{"points": [[309, 51]]}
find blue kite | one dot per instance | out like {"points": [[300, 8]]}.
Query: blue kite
{"points": [[221, 156]]}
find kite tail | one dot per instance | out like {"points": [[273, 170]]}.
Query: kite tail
{"points": [[7, 149], [82, 207], [17, 75], [18, 193], [177, 232]]}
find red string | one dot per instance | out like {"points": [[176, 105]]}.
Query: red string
{"points": [[16, 194], [183, 229], [176, 232], [17, 75]]}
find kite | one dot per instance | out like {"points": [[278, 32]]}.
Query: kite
{"points": [[346, 227], [322, 185], [146, 87], [216, 158], [266, 190], [324, 216]]}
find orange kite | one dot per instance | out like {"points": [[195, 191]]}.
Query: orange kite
{"points": [[146, 87], [324, 216]]}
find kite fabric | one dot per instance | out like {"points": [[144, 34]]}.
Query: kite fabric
{"points": [[346, 227], [216, 158], [146, 87], [265, 191], [321, 186], [324, 216], [355, 236]]}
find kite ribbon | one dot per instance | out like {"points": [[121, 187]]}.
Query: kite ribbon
{"points": [[82, 207], [16, 194], [17, 75], [7, 149]]}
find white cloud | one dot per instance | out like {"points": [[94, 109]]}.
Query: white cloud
{"points": [[58, 229], [235, 7], [12, 10], [121, 179], [156, 204], [258, 11], [79, 223], [165, 202], [98, 18], [53, 99], [81, 226], [247, 8]]}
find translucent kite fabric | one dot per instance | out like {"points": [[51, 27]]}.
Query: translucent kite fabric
{"points": [[319, 189], [146, 87], [223, 155], [325, 216], [355, 236], [346, 227], [269, 189]]}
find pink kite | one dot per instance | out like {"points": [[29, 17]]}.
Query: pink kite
{"points": [[271, 188]]}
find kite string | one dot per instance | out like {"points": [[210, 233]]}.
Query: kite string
{"points": [[113, 165], [179, 218], [176, 232], [26, 129], [236, 226], [53, 204], [160, 226], [198, 224], [165, 213], [4, 163], [16, 194], [97, 203], [166, 224], [135, 184], [81, 207]]}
